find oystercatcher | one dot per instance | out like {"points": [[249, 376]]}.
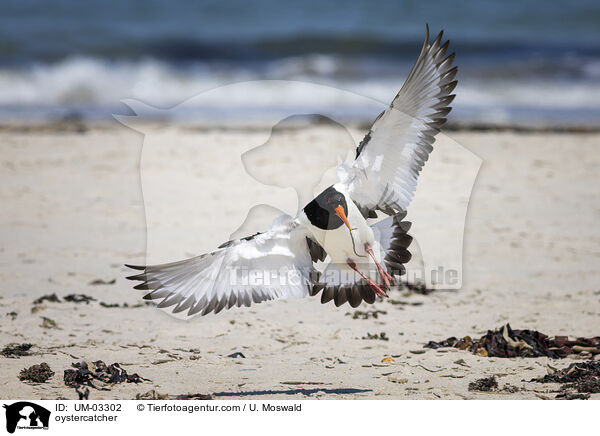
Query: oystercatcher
{"points": [[332, 247]]}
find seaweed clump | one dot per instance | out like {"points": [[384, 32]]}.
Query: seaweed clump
{"points": [[16, 350], [487, 384], [581, 377], [506, 342], [107, 374], [36, 373]]}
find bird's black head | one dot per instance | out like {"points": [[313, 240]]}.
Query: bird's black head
{"points": [[328, 210]]}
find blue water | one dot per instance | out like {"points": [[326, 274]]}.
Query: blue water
{"points": [[520, 61]]}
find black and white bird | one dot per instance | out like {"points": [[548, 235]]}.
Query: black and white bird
{"points": [[334, 246]]}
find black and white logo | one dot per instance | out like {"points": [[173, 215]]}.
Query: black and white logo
{"points": [[26, 415]]}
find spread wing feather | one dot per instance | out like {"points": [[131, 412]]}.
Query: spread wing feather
{"points": [[393, 152], [267, 266], [285, 255]]}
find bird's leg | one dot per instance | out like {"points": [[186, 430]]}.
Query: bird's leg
{"points": [[385, 277], [371, 283]]}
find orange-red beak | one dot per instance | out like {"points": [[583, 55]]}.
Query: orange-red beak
{"points": [[339, 211]]}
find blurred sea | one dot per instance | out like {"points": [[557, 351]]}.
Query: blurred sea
{"points": [[520, 62]]}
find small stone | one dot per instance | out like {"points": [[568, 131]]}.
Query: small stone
{"points": [[236, 355], [48, 323], [398, 380]]}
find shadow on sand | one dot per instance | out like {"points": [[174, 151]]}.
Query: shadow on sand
{"points": [[307, 392]]}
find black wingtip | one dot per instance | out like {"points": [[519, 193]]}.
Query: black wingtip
{"points": [[137, 267], [450, 58], [438, 39], [144, 287], [141, 276]]}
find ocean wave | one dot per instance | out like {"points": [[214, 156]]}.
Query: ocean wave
{"points": [[93, 87]]}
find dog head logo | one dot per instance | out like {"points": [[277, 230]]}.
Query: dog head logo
{"points": [[26, 415]]}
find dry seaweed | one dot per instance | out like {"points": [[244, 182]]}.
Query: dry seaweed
{"points": [[97, 282], [193, 397], [79, 376], [359, 314], [12, 315], [16, 350], [83, 394], [404, 303], [417, 288], [486, 384], [572, 396], [155, 395], [109, 374], [152, 395], [79, 298], [52, 298], [381, 336], [446, 343], [582, 377], [506, 342], [36, 373]]}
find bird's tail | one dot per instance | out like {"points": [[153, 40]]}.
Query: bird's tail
{"points": [[394, 240]]}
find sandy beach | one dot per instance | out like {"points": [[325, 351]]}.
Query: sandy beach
{"points": [[73, 212]]}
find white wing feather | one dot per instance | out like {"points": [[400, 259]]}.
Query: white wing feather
{"points": [[390, 157], [271, 265]]}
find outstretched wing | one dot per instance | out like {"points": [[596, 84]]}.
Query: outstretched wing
{"points": [[267, 266], [339, 284], [391, 155]]}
